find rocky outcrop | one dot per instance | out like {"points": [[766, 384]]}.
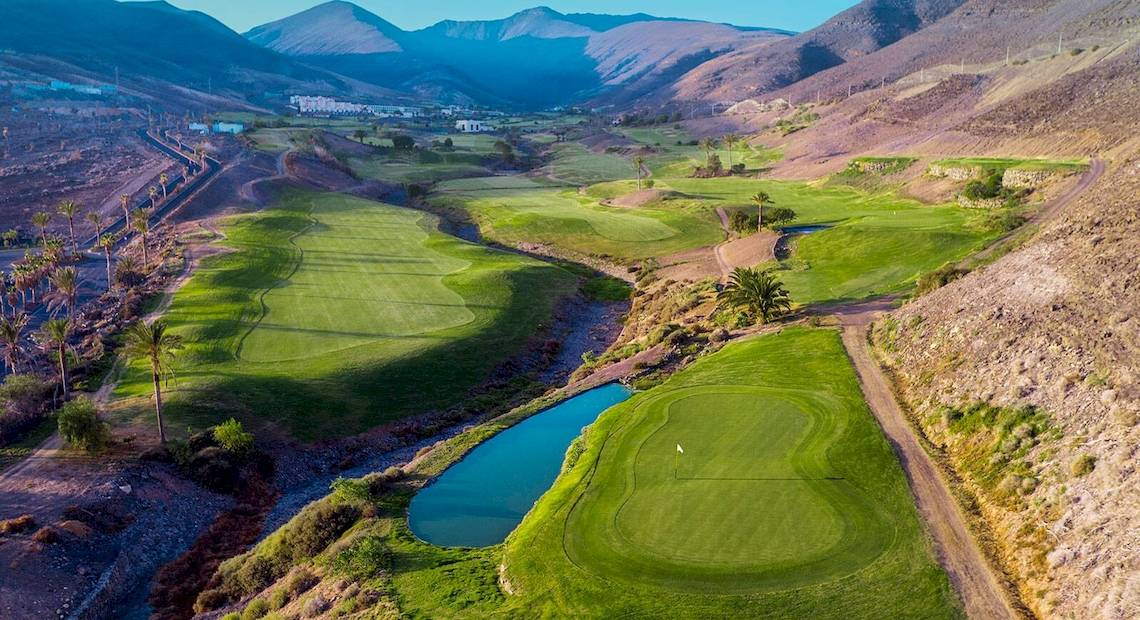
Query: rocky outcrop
{"points": [[982, 203]]}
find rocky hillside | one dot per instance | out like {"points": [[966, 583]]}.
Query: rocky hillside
{"points": [[762, 68]]}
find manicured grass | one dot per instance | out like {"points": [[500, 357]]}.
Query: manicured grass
{"points": [[333, 314], [1002, 163], [522, 212], [878, 243], [23, 447], [679, 160], [396, 171], [576, 164], [787, 502]]}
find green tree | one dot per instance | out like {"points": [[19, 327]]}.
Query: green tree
{"points": [[53, 339], [730, 142], [151, 343], [79, 425], [140, 221], [96, 220], [106, 243], [69, 209], [163, 181], [761, 199], [65, 290], [360, 134], [40, 220], [779, 216], [757, 292], [505, 150], [12, 341], [708, 145]]}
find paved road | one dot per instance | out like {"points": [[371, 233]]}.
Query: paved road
{"points": [[968, 569]]}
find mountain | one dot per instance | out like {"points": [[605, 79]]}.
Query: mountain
{"points": [[153, 42], [856, 32], [534, 58], [329, 29]]}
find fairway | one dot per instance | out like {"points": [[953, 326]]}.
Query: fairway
{"points": [[525, 212], [335, 314], [363, 274]]}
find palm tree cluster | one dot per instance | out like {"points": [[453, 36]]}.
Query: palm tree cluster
{"points": [[756, 292]]}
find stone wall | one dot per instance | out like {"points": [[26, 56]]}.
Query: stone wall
{"points": [[985, 203], [1019, 177], [956, 173]]}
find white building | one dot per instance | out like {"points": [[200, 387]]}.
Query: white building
{"points": [[471, 126]]}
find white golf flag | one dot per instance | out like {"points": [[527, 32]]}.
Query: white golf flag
{"points": [[680, 449]]}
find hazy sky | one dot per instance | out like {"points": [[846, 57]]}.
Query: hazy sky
{"points": [[798, 15]]}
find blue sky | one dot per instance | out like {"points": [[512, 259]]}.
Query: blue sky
{"points": [[799, 15]]}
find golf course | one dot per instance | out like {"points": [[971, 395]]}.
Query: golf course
{"points": [[786, 501], [329, 311]]}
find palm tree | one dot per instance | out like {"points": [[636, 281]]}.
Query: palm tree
{"points": [[163, 179], [53, 338], [152, 191], [97, 221], [40, 220], [69, 209], [758, 292], [140, 221], [150, 342], [12, 340], [761, 199], [107, 243], [125, 203], [639, 163], [730, 141], [66, 290], [709, 145]]}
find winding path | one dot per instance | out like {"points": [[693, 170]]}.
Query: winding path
{"points": [[981, 591]]}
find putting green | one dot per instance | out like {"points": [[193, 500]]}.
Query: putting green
{"points": [[791, 519], [362, 274]]}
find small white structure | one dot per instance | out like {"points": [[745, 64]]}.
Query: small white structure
{"points": [[231, 128], [470, 126], [199, 127]]}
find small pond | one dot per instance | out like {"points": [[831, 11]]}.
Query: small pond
{"points": [[478, 501], [783, 245]]}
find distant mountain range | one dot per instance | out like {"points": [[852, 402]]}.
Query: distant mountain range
{"points": [[538, 57]]}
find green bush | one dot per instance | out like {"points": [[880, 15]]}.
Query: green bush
{"points": [[209, 600], [1084, 465], [351, 490], [319, 526], [366, 558], [258, 573], [232, 437], [989, 186], [938, 278], [279, 598], [255, 610], [79, 425], [233, 615]]}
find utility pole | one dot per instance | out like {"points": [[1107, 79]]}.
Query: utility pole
{"points": [[848, 91], [1060, 38], [883, 84], [1007, 55], [922, 75]]}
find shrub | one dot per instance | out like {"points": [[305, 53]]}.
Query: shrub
{"points": [[319, 526], [315, 607], [650, 183], [215, 469], [19, 524], [938, 278], [232, 437], [279, 598], [257, 573], [255, 610], [1084, 465], [365, 559], [740, 222], [351, 490], [23, 400], [79, 425], [233, 615], [209, 600], [301, 581]]}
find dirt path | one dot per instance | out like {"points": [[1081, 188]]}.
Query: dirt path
{"points": [[968, 569], [247, 189], [718, 249], [1052, 209]]}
